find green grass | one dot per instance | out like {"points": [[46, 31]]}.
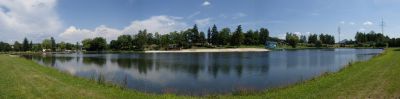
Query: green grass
{"points": [[376, 78], [21, 78]]}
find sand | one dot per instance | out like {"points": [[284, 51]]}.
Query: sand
{"points": [[211, 50]]}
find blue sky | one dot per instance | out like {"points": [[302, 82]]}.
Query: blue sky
{"points": [[73, 20]]}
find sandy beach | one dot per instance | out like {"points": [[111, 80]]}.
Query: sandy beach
{"points": [[211, 50]]}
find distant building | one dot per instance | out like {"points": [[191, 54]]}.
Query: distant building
{"points": [[271, 45]]}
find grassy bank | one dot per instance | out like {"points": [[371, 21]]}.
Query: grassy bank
{"points": [[377, 78], [21, 78]]}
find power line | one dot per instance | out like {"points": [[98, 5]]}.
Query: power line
{"points": [[382, 26]]}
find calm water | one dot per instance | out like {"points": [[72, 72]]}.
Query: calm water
{"points": [[205, 73]]}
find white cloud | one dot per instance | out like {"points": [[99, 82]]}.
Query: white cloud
{"points": [[162, 24], [203, 22], [297, 33], [206, 3], [342, 22], [73, 34], [37, 19], [239, 15], [307, 33], [282, 36], [22, 18], [368, 23]]}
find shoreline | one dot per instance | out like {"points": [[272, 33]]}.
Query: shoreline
{"points": [[211, 50]]}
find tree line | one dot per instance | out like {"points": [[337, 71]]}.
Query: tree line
{"points": [[313, 40], [192, 37], [371, 39], [46, 45], [189, 38], [143, 40]]}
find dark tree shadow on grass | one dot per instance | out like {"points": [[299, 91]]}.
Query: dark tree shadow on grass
{"points": [[397, 49]]}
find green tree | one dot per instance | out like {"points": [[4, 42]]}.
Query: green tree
{"points": [[77, 47], [69, 46], [318, 43], [114, 45], [292, 39], [360, 37], [323, 38], [327, 39], [37, 47], [224, 36], [150, 39], [303, 39], [248, 38], [196, 34], [4, 47], [252, 38], [62, 46], [264, 35], [183, 39], [312, 38], [256, 38], [30, 46], [25, 45], [46, 44], [86, 43], [237, 37], [53, 44], [165, 41], [141, 40], [98, 44], [208, 35], [17, 46], [157, 38], [202, 39], [214, 35], [124, 42]]}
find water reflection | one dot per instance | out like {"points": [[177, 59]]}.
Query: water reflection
{"points": [[204, 73], [96, 60]]}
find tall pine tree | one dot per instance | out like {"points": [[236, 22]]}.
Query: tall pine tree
{"points": [[209, 35], [237, 37], [214, 35], [25, 45], [196, 34], [53, 44]]}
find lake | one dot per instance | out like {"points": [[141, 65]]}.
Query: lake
{"points": [[205, 73]]}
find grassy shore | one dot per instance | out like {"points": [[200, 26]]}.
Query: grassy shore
{"points": [[376, 78], [21, 78]]}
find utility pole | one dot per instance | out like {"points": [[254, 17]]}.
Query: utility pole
{"points": [[339, 34]]}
